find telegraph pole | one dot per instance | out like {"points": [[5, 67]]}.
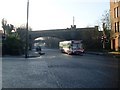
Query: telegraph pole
{"points": [[26, 46], [73, 20]]}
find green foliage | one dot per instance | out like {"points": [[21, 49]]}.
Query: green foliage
{"points": [[13, 46], [14, 42]]}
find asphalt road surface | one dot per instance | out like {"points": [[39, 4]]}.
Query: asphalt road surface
{"points": [[57, 70]]}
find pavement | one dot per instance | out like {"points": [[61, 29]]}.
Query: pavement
{"points": [[111, 54], [31, 54]]}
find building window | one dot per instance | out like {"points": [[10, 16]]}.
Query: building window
{"points": [[118, 27], [116, 12], [115, 27]]}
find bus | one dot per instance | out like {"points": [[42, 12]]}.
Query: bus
{"points": [[71, 47]]}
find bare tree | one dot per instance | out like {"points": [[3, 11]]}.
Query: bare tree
{"points": [[4, 24], [106, 28], [7, 27], [106, 19], [22, 32]]}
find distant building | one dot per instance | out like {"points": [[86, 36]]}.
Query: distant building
{"points": [[115, 24]]}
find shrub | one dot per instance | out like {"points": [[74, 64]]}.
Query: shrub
{"points": [[13, 46]]}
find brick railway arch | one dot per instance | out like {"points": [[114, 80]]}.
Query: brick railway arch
{"points": [[66, 34]]}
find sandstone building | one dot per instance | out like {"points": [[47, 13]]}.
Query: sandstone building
{"points": [[115, 24]]}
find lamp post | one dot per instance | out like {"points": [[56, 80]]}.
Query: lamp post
{"points": [[26, 46]]}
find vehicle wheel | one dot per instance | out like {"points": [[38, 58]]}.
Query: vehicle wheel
{"points": [[69, 53], [81, 54]]}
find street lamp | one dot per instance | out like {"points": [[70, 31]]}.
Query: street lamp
{"points": [[26, 46]]}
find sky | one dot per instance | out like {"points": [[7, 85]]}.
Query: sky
{"points": [[53, 14]]}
